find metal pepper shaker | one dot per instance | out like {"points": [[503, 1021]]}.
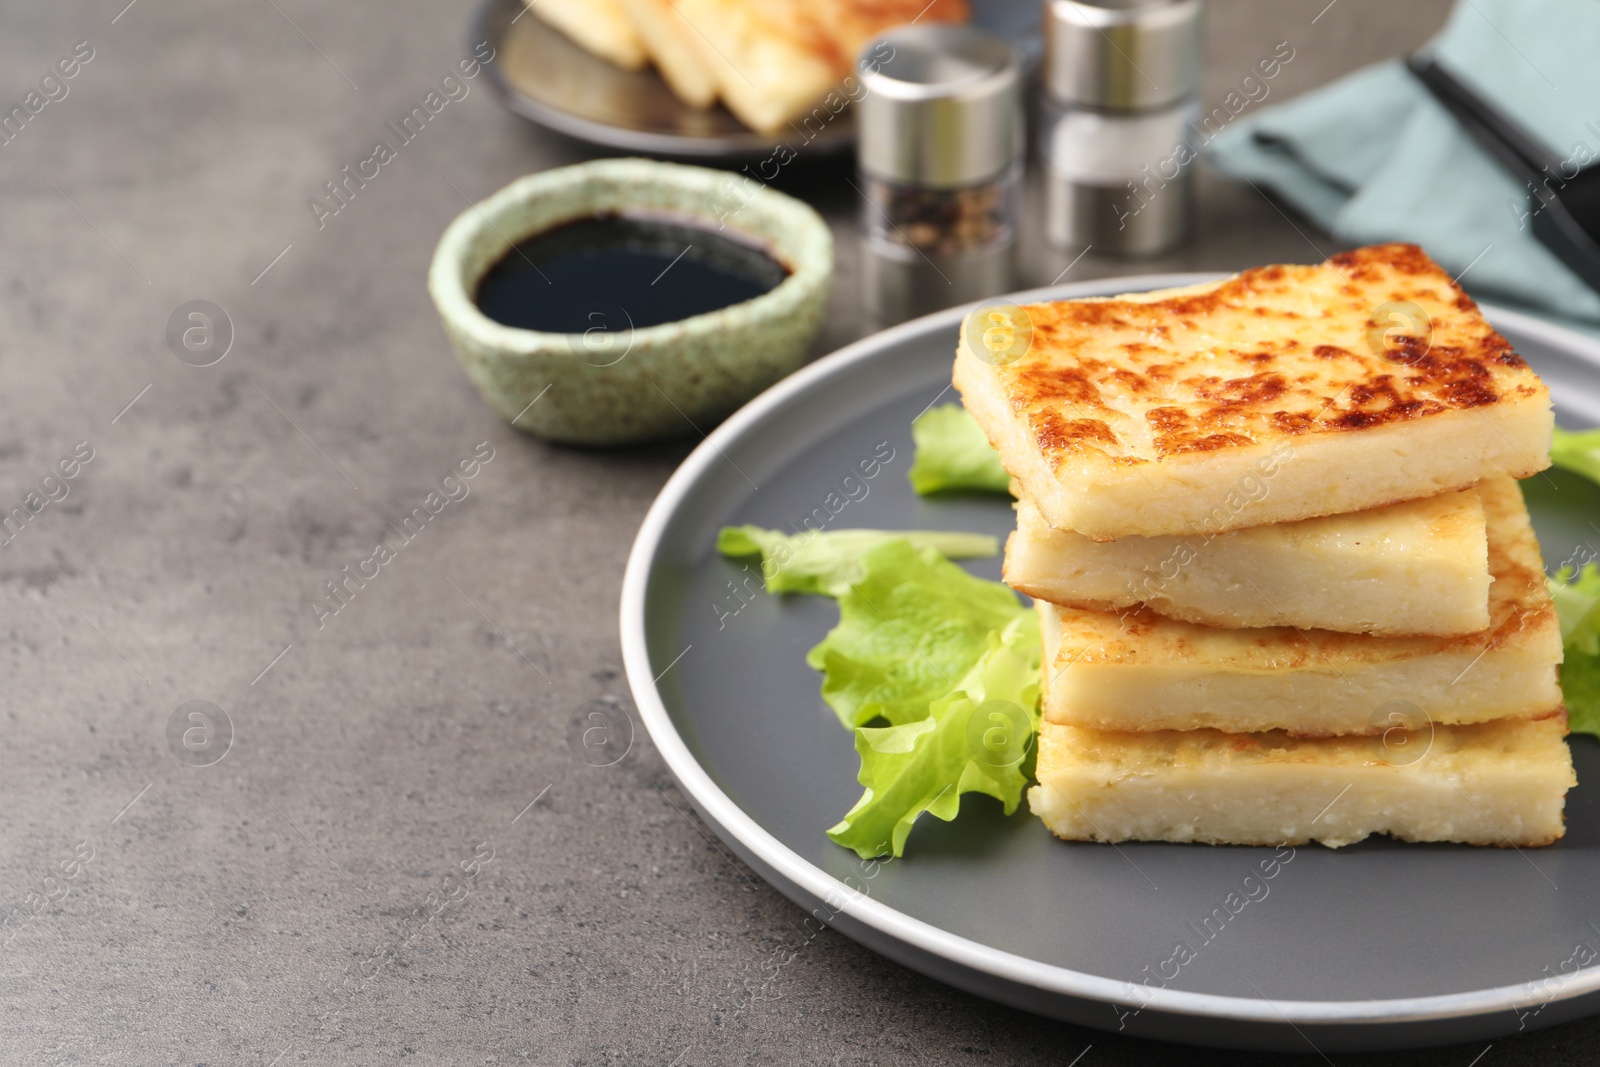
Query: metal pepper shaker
{"points": [[1120, 100], [939, 152]]}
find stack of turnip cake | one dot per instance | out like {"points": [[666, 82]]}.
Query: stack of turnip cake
{"points": [[1286, 579]]}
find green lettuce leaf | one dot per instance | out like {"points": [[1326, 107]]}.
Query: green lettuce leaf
{"points": [[1577, 451], [910, 627], [974, 740], [1577, 598], [949, 660], [953, 453], [828, 561]]}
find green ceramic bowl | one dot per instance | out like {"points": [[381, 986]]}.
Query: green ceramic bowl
{"points": [[627, 385]]}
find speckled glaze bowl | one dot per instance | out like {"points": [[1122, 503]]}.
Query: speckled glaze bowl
{"points": [[615, 385]]}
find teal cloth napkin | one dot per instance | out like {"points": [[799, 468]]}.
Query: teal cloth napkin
{"points": [[1373, 157]]}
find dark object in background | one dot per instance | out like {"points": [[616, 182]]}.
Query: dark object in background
{"points": [[1119, 106], [659, 269], [940, 156], [1565, 208]]}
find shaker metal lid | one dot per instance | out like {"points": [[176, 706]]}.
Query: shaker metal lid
{"points": [[1123, 55], [941, 106]]}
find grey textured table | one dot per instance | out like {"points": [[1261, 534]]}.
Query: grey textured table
{"points": [[400, 854]]}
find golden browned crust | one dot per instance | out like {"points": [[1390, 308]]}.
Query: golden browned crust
{"points": [[1184, 749], [1380, 728], [1298, 842], [1271, 354]]}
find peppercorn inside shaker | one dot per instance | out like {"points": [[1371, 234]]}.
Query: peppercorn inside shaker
{"points": [[1119, 103], [939, 148]]}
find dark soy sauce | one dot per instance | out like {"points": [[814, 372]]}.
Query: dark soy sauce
{"points": [[629, 270]]}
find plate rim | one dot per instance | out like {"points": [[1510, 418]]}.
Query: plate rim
{"points": [[727, 816]]}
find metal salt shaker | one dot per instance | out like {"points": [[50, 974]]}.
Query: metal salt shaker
{"points": [[1119, 102]]}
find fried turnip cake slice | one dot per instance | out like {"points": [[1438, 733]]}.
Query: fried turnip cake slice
{"points": [[1499, 783], [676, 49], [1278, 394], [600, 26], [1417, 567]]}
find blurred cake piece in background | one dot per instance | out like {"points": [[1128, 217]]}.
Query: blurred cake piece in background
{"points": [[676, 48], [601, 26], [775, 60]]}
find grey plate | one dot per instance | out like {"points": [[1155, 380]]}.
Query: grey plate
{"points": [[543, 76], [1379, 945]]}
